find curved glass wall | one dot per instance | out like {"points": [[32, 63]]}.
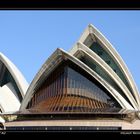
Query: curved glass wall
{"points": [[99, 70], [70, 89], [101, 52]]}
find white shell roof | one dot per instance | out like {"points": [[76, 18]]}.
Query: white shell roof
{"points": [[94, 33], [96, 59], [18, 77], [8, 97], [52, 62]]}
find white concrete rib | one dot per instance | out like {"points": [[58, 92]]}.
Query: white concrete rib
{"points": [[95, 58], [91, 30], [18, 77], [46, 66], [119, 60], [8, 97]]}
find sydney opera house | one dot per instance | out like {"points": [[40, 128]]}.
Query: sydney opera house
{"points": [[86, 88]]}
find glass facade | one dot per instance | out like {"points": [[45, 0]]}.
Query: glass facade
{"points": [[70, 89], [99, 70], [100, 51]]}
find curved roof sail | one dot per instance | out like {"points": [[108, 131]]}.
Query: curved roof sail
{"points": [[53, 61], [96, 42], [13, 86], [96, 56], [102, 69]]}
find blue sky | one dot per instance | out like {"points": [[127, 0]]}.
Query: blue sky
{"points": [[28, 38]]}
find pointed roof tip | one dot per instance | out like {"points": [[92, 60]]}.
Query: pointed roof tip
{"points": [[90, 25], [59, 49], [4, 56], [92, 28], [1, 53]]}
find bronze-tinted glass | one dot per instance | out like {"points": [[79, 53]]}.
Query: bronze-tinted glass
{"points": [[69, 89]]}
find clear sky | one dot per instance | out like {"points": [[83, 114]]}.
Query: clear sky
{"points": [[28, 38]]}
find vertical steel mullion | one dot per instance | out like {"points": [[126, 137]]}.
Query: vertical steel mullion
{"points": [[54, 94], [51, 93], [65, 85], [78, 95], [91, 103], [71, 93], [81, 94], [69, 87], [63, 95], [74, 94], [58, 91], [85, 94], [89, 106], [57, 95]]}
